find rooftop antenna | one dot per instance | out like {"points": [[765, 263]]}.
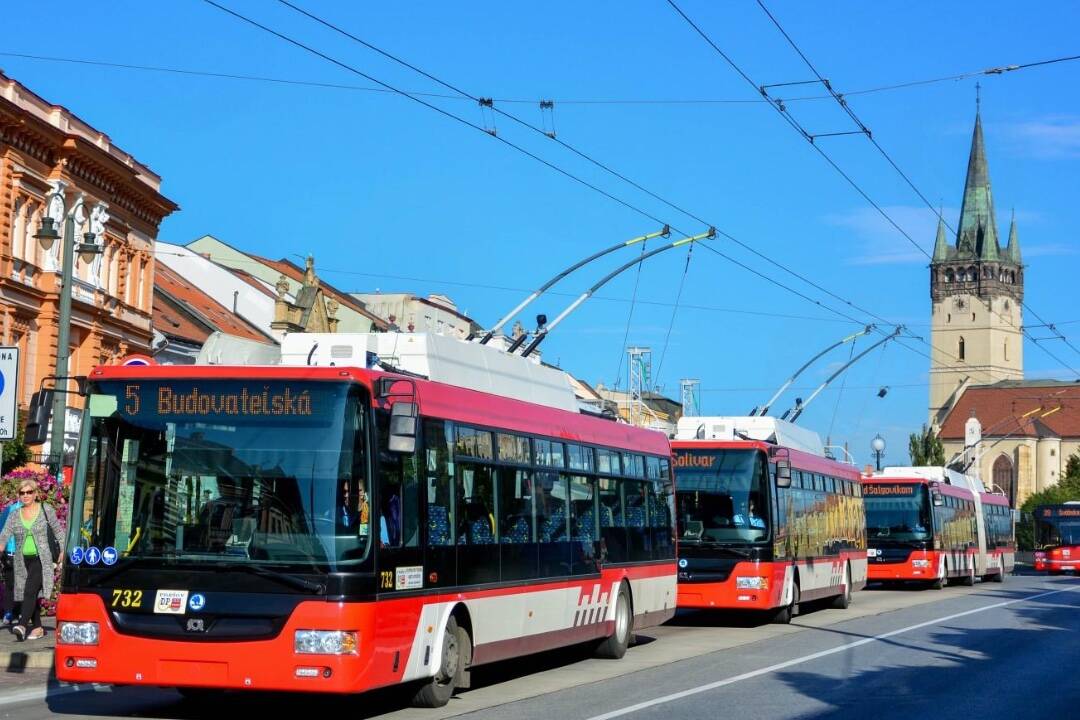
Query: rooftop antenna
{"points": [[710, 233], [665, 232], [850, 338]]}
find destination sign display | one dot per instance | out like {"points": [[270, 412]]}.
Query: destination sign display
{"points": [[227, 401], [892, 490]]}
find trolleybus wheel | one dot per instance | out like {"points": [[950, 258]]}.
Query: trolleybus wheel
{"points": [[614, 647], [841, 601], [456, 648], [784, 614], [969, 579]]}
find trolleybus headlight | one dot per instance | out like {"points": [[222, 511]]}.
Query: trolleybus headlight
{"points": [[78, 633], [751, 583], [325, 642], [920, 563]]}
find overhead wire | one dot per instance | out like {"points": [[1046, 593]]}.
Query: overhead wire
{"points": [[869, 135], [533, 156], [999, 70], [784, 113]]}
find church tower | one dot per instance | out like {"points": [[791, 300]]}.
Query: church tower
{"points": [[976, 291]]}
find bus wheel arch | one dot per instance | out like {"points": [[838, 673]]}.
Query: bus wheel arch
{"points": [[843, 600], [783, 615], [615, 645], [454, 659]]}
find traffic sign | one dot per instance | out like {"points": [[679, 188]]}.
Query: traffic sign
{"points": [[9, 392], [138, 359]]}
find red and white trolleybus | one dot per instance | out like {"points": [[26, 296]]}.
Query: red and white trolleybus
{"points": [[936, 525], [339, 524], [765, 519], [1057, 538]]}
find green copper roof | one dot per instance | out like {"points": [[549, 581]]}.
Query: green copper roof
{"points": [[1012, 253], [941, 246], [977, 235]]}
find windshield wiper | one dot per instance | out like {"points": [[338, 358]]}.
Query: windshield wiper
{"points": [[284, 578]]}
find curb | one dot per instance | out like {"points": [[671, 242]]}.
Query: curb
{"points": [[17, 661]]}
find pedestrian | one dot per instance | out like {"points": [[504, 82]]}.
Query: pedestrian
{"points": [[9, 608], [31, 524]]}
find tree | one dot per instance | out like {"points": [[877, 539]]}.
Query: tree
{"points": [[925, 448], [15, 453]]}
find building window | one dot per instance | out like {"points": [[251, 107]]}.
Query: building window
{"points": [[961, 349], [972, 317], [949, 277], [948, 318], [1006, 344], [1053, 452]]}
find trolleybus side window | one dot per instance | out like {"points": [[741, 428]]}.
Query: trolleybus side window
{"points": [[583, 524], [607, 462], [661, 512], [399, 492], [552, 523], [636, 518], [580, 457], [517, 523], [439, 465], [549, 453], [612, 525]]}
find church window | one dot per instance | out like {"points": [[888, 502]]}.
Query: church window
{"points": [[1013, 278], [961, 348], [1006, 349], [1006, 304], [949, 318], [949, 276], [972, 317], [1003, 477]]}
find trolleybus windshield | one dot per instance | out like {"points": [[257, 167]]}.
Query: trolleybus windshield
{"points": [[722, 496], [897, 511], [229, 471]]}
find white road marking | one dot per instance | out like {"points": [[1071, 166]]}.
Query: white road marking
{"points": [[813, 656]]}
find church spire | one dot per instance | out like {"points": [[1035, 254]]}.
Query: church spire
{"points": [[977, 236], [1012, 253], [941, 246]]}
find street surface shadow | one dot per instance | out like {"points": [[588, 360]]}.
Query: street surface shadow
{"points": [[167, 703], [1011, 663]]}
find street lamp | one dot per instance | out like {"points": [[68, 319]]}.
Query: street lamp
{"points": [[46, 236], [878, 446]]}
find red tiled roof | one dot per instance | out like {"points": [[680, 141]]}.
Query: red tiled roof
{"points": [[1025, 409], [203, 313], [290, 270]]}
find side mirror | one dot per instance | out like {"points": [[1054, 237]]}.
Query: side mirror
{"points": [[938, 499], [403, 427], [783, 473], [37, 422]]}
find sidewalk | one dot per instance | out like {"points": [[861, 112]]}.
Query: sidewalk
{"points": [[17, 656]]}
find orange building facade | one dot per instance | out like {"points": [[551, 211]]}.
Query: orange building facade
{"points": [[45, 148]]}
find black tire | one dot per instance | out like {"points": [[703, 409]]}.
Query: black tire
{"points": [[998, 577], [843, 600], [614, 646], [941, 582], [783, 615], [457, 647], [968, 580]]}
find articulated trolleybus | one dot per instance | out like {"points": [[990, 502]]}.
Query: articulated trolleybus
{"points": [[327, 525], [1057, 538], [936, 525], [765, 519]]}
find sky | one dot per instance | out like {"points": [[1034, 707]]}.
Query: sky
{"points": [[390, 195]]}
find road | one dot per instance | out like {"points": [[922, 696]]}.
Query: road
{"points": [[985, 652]]}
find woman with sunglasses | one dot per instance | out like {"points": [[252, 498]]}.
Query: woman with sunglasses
{"points": [[30, 525]]}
